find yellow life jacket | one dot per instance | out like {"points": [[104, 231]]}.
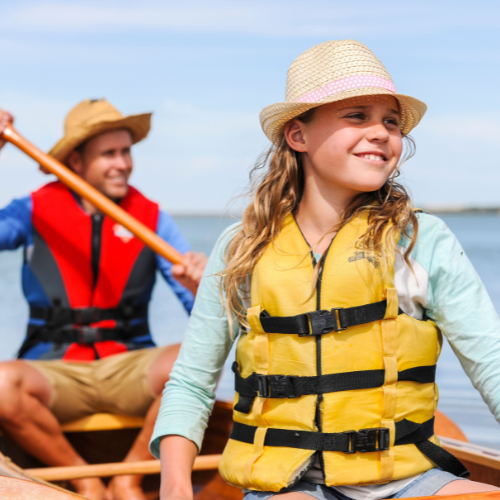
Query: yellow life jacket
{"points": [[341, 373]]}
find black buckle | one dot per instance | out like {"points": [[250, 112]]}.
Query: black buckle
{"points": [[127, 310], [88, 335], [324, 321], [368, 440], [275, 386], [86, 316]]}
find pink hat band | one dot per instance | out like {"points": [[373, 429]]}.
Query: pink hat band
{"points": [[349, 83]]}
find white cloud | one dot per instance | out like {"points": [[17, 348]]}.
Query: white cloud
{"points": [[39, 118], [182, 119], [476, 129], [278, 18], [205, 164], [454, 164], [197, 159]]}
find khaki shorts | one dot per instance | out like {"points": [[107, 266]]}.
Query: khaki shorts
{"points": [[115, 384]]}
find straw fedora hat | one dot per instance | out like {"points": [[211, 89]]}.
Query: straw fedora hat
{"points": [[330, 72], [92, 117]]}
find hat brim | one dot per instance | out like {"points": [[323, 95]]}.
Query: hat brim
{"points": [[273, 118], [138, 125]]}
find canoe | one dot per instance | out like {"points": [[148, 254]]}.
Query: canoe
{"points": [[104, 439]]}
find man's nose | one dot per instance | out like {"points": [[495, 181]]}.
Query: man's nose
{"points": [[121, 162]]}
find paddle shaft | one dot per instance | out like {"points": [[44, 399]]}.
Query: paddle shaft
{"points": [[203, 462], [85, 190]]}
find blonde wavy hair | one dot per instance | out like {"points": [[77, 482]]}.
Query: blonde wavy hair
{"points": [[277, 184]]}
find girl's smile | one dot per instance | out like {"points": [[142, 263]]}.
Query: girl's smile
{"points": [[372, 156]]}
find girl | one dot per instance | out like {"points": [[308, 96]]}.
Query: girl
{"points": [[338, 290]]}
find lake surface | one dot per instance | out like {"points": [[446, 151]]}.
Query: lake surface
{"points": [[479, 235]]}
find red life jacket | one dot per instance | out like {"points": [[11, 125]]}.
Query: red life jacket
{"points": [[93, 272]]}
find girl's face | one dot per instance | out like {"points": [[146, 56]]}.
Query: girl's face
{"points": [[354, 144]]}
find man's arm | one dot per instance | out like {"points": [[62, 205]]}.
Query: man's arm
{"points": [[15, 224], [15, 218], [183, 279]]}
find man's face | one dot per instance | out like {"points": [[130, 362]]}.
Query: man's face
{"points": [[105, 162]]}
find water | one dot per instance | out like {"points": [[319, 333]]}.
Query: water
{"points": [[479, 235]]}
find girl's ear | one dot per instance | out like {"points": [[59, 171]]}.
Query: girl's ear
{"points": [[294, 135]]}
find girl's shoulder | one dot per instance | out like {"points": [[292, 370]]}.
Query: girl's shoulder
{"points": [[434, 240], [430, 225], [228, 234], [224, 241]]}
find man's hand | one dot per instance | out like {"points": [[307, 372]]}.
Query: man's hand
{"points": [[5, 119], [190, 272]]}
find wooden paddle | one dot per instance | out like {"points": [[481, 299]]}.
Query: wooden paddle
{"points": [[77, 184], [203, 462], [464, 451]]}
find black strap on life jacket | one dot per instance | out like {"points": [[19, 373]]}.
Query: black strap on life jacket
{"points": [[57, 316], [84, 335], [361, 441], [324, 321], [290, 386], [66, 325]]}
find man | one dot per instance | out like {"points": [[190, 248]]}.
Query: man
{"points": [[88, 283]]}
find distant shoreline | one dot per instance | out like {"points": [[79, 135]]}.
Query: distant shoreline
{"points": [[451, 209], [433, 209]]}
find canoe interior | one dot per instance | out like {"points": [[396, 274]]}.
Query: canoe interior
{"points": [[98, 447], [488, 473], [482, 473]]}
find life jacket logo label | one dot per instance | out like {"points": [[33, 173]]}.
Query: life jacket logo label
{"points": [[372, 259], [123, 233]]}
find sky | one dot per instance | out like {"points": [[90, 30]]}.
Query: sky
{"points": [[206, 69]]}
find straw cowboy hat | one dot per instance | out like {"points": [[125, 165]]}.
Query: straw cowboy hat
{"points": [[92, 117], [333, 71]]}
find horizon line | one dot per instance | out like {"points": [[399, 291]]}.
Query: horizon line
{"points": [[433, 208]]}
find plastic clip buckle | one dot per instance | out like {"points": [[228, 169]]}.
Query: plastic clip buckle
{"points": [[324, 321], [275, 386], [88, 335], [87, 315], [368, 440]]}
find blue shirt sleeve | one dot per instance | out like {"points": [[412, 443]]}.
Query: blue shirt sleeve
{"points": [[188, 397], [15, 224], [168, 230]]}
